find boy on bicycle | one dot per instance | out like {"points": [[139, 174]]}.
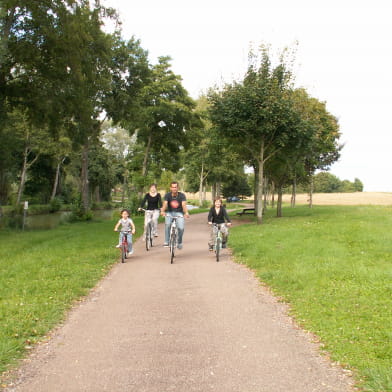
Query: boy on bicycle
{"points": [[218, 215], [127, 228]]}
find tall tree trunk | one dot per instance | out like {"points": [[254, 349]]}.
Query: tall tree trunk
{"points": [[272, 194], [311, 188], [84, 177], [213, 191], [279, 203], [259, 210], [25, 167], [201, 184], [56, 179], [265, 195], [256, 187], [294, 192]]}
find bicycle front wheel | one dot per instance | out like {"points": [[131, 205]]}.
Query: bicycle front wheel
{"points": [[218, 247], [172, 247], [123, 252]]}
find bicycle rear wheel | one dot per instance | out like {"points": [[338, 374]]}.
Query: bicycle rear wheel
{"points": [[148, 237], [151, 235]]}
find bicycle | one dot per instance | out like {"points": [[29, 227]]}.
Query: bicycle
{"points": [[124, 246], [173, 238], [148, 230], [218, 239]]}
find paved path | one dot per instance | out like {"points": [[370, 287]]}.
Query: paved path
{"points": [[196, 325]]}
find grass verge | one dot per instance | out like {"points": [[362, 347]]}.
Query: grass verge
{"points": [[334, 266], [43, 273]]}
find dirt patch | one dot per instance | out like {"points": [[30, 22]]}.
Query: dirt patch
{"points": [[357, 198]]}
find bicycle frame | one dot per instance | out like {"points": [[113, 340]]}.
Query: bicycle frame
{"points": [[218, 239], [148, 228], [124, 246]]}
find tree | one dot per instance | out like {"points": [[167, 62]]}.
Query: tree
{"points": [[167, 116], [326, 183], [254, 115], [237, 186]]}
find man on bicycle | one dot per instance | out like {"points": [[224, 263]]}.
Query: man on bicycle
{"points": [[175, 204]]}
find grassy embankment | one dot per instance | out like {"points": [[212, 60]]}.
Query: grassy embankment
{"points": [[42, 273], [333, 265]]}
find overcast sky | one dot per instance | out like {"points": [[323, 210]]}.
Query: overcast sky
{"points": [[343, 57]]}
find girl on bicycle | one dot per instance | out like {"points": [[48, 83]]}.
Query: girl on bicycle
{"points": [[154, 203], [127, 228], [218, 215]]}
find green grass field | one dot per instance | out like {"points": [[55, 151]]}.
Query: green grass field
{"points": [[333, 265]]}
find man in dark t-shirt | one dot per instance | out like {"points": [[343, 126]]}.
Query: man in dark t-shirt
{"points": [[174, 203]]}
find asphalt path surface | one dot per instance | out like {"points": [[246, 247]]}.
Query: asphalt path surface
{"points": [[195, 325]]}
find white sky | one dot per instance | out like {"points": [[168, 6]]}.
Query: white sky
{"points": [[344, 57]]}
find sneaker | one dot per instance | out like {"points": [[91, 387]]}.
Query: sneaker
{"points": [[179, 246], [165, 245], [155, 235], [210, 248], [130, 252], [118, 246]]}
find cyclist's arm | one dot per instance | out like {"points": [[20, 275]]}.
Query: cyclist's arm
{"points": [[185, 209], [210, 216], [133, 227], [143, 201], [164, 207], [117, 225], [159, 201], [226, 216]]}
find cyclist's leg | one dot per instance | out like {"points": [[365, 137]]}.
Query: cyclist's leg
{"points": [[155, 217], [145, 224], [129, 240], [225, 235], [168, 220], [211, 241], [181, 227], [119, 239]]}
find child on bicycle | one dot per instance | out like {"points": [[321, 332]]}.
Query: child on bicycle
{"points": [[218, 215], [127, 228]]}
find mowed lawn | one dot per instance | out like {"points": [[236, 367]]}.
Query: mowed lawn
{"points": [[333, 265]]}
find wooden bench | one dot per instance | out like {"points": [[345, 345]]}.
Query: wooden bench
{"points": [[246, 211]]}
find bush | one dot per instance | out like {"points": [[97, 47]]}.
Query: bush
{"points": [[55, 205]]}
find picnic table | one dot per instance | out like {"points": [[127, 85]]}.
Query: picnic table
{"points": [[246, 211]]}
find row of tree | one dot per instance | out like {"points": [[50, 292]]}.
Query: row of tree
{"points": [[62, 78], [83, 112]]}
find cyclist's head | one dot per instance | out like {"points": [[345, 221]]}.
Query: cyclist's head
{"points": [[174, 186], [153, 187], [217, 201], [124, 212]]}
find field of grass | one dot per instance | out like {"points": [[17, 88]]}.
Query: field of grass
{"points": [[333, 265], [42, 273]]}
